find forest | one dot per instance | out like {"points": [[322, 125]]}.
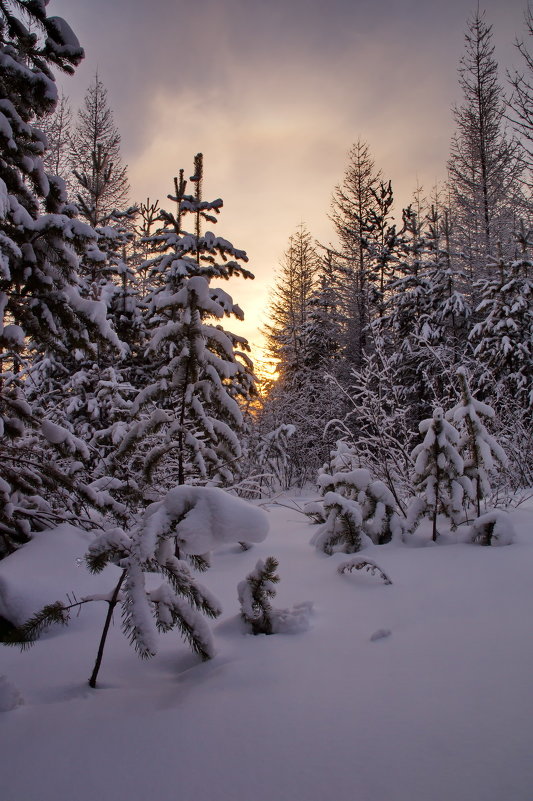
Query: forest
{"points": [[383, 443], [401, 385]]}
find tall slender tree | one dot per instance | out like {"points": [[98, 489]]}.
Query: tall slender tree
{"points": [[186, 418], [101, 178], [290, 303], [57, 127], [354, 212], [484, 165], [521, 101]]}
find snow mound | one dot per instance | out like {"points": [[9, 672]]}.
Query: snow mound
{"points": [[492, 528], [292, 621], [203, 518], [45, 569]]}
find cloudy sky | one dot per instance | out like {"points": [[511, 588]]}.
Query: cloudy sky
{"points": [[274, 92]]}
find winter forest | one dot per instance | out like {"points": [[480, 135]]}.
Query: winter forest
{"points": [[141, 449]]}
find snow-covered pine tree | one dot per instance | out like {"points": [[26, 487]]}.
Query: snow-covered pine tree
{"points": [[354, 204], [438, 474], [355, 506], [89, 393], [480, 451], [40, 301], [190, 520], [185, 420], [301, 338], [448, 312], [424, 326], [254, 595], [503, 338], [401, 328]]}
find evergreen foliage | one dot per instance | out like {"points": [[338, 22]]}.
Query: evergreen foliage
{"points": [[439, 474], [185, 418], [40, 300], [480, 450], [255, 593], [356, 508]]}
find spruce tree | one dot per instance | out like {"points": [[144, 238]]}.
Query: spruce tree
{"points": [[290, 304], [302, 336], [186, 417], [480, 451], [503, 337], [355, 207], [438, 474], [40, 301]]}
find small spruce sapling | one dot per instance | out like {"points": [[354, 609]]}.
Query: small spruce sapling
{"points": [[438, 474], [255, 593], [366, 565], [478, 448], [354, 507], [188, 520]]}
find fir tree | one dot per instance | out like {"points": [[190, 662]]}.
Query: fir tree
{"points": [[186, 418], [356, 508], [503, 338], [39, 296], [354, 206], [255, 593], [479, 449], [438, 474]]}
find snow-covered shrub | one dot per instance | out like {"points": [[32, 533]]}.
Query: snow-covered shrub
{"points": [[354, 507], [438, 474], [358, 563], [492, 528], [254, 595], [190, 521], [480, 451]]}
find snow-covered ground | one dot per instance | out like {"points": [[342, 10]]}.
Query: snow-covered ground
{"points": [[439, 708]]}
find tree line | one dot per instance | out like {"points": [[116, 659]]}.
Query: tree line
{"points": [[369, 332], [129, 408]]}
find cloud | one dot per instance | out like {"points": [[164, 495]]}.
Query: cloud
{"points": [[274, 92]]}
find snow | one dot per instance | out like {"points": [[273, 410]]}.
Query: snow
{"points": [[416, 691], [9, 695], [204, 518], [64, 35]]}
